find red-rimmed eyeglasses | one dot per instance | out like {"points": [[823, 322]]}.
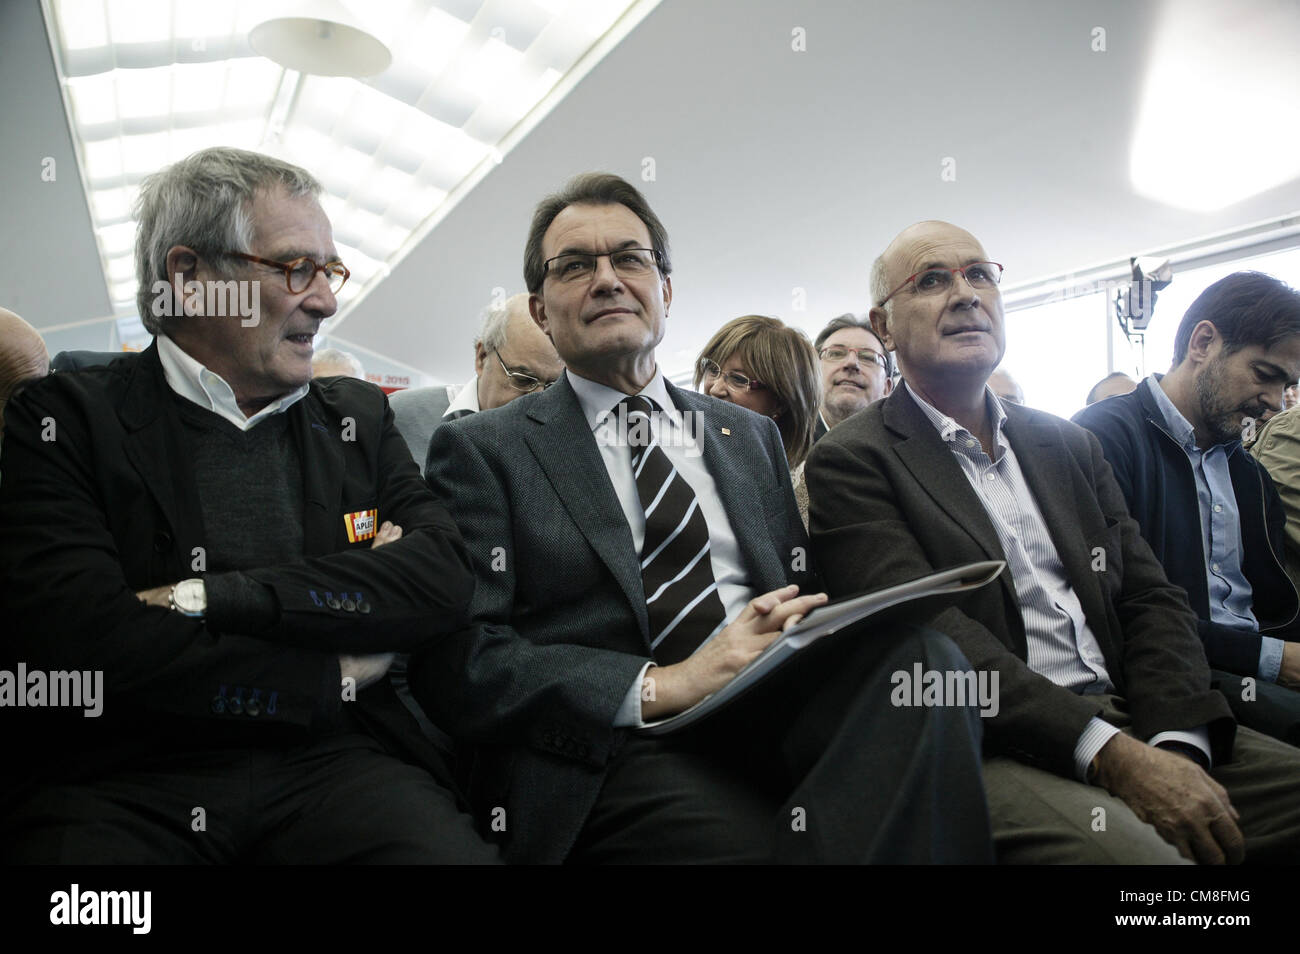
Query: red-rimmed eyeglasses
{"points": [[938, 281]]}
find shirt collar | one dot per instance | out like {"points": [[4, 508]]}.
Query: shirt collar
{"points": [[946, 425], [1179, 427], [466, 399], [597, 400], [192, 381]]}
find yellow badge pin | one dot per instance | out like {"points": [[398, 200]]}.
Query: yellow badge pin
{"points": [[361, 525]]}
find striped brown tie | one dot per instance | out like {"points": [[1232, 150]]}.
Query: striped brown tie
{"points": [[680, 592]]}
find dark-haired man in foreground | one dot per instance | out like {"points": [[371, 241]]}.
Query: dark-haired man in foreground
{"points": [[622, 580]]}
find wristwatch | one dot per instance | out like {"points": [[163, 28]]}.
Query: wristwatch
{"points": [[189, 597]]}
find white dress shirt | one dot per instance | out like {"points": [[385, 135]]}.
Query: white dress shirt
{"points": [[671, 432], [208, 389], [466, 399]]}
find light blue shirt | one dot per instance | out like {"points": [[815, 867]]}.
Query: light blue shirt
{"points": [[1229, 591]]}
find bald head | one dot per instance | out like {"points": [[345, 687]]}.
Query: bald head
{"points": [[23, 356], [885, 275], [335, 363], [511, 336], [938, 308], [1006, 387]]}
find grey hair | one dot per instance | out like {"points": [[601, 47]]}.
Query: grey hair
{"points": [[333, 361], [203, 202], [879, 283], [492, 336], [496, 323]]}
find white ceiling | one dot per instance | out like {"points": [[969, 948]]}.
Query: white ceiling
{"points": [[779, 173]]}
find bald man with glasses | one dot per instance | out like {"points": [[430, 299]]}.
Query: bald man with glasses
{"points": [[512, 358], [1109, 745]]}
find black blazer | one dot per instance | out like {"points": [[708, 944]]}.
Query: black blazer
{"points": [[98, 502], [888, 503], [560, 626]]}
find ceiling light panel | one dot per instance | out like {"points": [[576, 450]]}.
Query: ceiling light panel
{"points": [[151, 81]]}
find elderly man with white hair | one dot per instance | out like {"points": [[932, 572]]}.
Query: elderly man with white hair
{"points": [[228, 554], [512, 358]]}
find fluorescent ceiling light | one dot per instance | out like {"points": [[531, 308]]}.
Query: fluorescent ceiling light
{"points": [[85, 27], [93, 100], [139, 21], [391, 153], [489, 70], [103, 160], [1220, 119], [113, 205], [121, 269], [116, 239], [429, 48], [144, 92], [199, 87]]}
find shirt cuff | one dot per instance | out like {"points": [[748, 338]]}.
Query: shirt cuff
{"points": [[1199, 737], [1095, 734], [629, 713], [1270, 658]]}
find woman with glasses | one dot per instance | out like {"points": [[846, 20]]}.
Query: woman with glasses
{"points": [[762, 364]]}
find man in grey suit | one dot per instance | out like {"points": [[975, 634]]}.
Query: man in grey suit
{"points": [[636, 546], [511, 358], [1109, 744]]}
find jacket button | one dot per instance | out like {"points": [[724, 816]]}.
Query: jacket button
{"points": [[363, 607], [217, 705], [235, 705], [162, 541], [333, 603], [349, 606]]}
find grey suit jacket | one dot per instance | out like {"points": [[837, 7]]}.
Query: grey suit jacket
{"points": [[560, 625], [418, 412], [889, 502]]}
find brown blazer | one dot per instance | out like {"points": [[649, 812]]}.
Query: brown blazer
{"points": [[889, 502]]}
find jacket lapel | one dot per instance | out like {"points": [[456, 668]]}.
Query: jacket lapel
{"points": [[154, 447], [565, 449], [929, 459], [320, 453], [731, 462]]}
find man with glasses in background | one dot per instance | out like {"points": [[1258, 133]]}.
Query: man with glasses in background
{"points": [[511, 358], [856, 370], [226, 555]]}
